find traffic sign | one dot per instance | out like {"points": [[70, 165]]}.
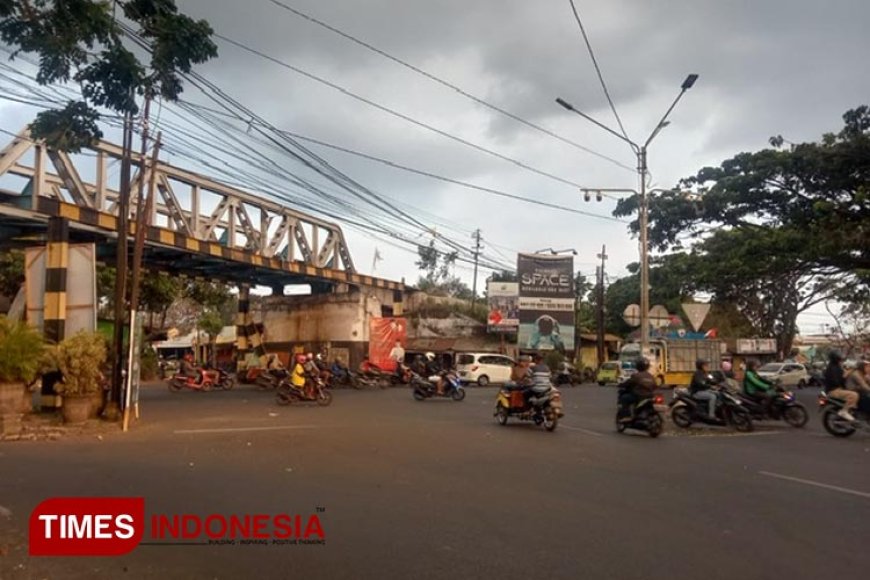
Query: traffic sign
{"points": [[696, 314], [631, 315], [659, 316]]}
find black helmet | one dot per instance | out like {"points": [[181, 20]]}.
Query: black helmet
{"points": [[700, 364], [642, 365], [835, 356], [752, 364]]}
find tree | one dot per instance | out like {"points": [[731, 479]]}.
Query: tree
{"points": [[504, 276], [438, 279], [159, 291], [584, 315], [775, 231], [670, 286], [82, 41], [11, 272], [208, 294], [211, 323]]}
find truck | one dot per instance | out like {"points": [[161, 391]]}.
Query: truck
{"points": [[672, 361]]}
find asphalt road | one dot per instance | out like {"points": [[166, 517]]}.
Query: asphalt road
{"points": [[439, 490]]}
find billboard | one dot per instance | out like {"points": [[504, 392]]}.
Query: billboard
{"points": [[546, 299], [504, 306], [384, 333]]}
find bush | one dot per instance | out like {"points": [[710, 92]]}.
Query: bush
{"points": [[148, 364], [22, 352], [80, 359]]}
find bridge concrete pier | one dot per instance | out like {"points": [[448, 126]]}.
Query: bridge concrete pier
{"points": [[338, 322]]}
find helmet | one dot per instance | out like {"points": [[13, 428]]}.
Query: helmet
{"points": [[700, 364], [300, 358], [835, 356], [726, 366], [309, 356], [319, 357], [642, 365], [752, 364], [430, 356]]}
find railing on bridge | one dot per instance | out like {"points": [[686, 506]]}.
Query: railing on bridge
{"points": [[184, 202]]}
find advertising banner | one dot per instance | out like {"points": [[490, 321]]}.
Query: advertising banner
{"points": [[546, 300], [385, 334], [504, 306]]}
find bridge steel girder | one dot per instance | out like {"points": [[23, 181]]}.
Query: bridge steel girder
{"points": [[236, 221]]}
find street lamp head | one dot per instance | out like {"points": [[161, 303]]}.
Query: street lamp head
{"points": [[565, 103], [689, 82]]}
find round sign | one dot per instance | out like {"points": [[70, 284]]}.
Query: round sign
{"points": [[631, 315], [659, 316]]}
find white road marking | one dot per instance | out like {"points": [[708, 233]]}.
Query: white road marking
{"points": [[242, 429], [816, 484], [582, 430]]}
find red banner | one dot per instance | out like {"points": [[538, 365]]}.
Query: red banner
{"points": [[384, 335]]}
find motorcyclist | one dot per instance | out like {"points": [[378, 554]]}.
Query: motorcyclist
{"points": [[322, 368], [701, 385], [297, 376], [835, 385], [757, 387], [432, 369], [859, 382], [521, 371], [419, 366], [641, 385], [339, 370], [187, 369], [540, 379]]}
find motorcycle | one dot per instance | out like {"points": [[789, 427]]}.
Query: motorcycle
{"points": [[685, 410], [563, 376], [202, 381], [403, 377], [784, 407], [544, 407], [271, 378], [645, 418], [424, 389], [837, 426], [314, 391]]}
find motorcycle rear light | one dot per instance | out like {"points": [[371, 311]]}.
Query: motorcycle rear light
{"points": [[658, 400]]}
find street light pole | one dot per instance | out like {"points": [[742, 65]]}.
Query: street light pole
{"points": [[644, 254], [643, 211]]}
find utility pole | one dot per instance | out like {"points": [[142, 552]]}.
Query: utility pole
{"points": [[143, 218], [599, 324], [113, 407], [477, 247]]}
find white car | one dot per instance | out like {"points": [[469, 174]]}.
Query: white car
{"points": [[484, 368], [788, 374]]}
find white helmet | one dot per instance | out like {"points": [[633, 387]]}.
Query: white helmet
{"points": [[430, 356]]}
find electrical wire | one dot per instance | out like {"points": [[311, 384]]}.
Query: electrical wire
{"points": [[598, 69], [400, 115], [447, 84]]}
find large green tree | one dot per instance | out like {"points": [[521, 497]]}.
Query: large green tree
{"points": [[91, 43], [775, 231]]}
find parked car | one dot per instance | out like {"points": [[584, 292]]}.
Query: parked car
{"points": [[484, 368], [610, 372], [788, 374]]}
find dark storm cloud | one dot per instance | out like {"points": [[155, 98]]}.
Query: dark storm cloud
{"points": [[767, 67]]}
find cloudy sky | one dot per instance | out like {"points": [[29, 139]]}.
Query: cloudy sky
{"points": [[789, 67]]}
